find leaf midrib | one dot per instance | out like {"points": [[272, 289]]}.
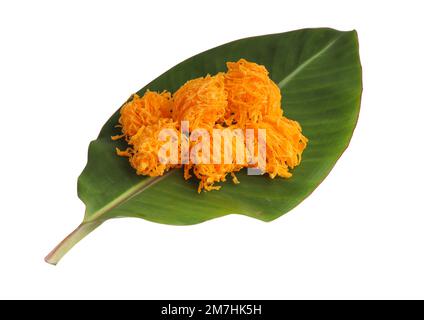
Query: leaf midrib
{"points": [[148, 182], [126, 196], [306, 63]]}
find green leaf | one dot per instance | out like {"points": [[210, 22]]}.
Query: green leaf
{"points": [[319, 73]]}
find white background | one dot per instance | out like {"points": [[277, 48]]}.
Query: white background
{"points": [[65, 67]]}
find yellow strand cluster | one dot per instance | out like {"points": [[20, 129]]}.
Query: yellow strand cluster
{"points": [[242, 98]]}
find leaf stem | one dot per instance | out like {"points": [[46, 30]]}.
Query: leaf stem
{"points": [[72, 239]]}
